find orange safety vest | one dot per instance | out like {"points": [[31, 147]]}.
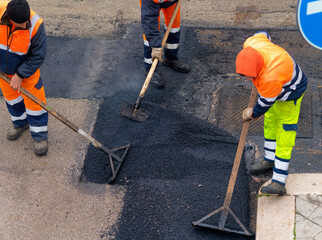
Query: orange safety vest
{"points": [[277, 69], [19, 42]]}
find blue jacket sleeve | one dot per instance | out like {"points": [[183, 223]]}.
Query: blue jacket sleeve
{"points": [[36, 54], [149, 19], [262, 106]]}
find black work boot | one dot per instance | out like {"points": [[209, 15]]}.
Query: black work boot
{"points": [[176, 65], [156, 81], [274, 188], [41, 147], [15, 133], [261, 166]]}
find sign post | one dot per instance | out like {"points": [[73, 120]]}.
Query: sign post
{"points": [[309, 21]]}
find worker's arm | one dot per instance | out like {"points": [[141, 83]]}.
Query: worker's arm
{"points": [[36, 54], [261, 107], [149, 19], [267, 98]]}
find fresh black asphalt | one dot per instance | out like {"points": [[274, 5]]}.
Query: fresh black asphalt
{"points": [[178, 167], [176, 171]]}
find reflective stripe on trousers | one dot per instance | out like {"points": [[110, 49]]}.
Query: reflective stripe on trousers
{"points": [[24, 111], [172, 44], [170, 50], [280, 125]]}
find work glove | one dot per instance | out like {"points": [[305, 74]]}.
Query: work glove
{"points": [[157, 53], [247, 114]]}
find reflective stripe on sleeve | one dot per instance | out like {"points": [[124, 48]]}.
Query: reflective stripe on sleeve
{"points": [[262, 104], [146, 43], [286, 95], [298, 80], [33, 21], [268, 101], [293, 83]]}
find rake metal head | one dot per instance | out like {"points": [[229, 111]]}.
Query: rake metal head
{"points": [[227, 230], [128, 110], [116, 160]]}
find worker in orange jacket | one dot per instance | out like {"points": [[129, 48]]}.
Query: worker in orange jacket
{"points": [[281, 84], [23, 44], [150, 19]]}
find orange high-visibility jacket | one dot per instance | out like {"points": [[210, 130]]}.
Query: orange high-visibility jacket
{"points": [[15, 44], [280, 78], [278, 66]]}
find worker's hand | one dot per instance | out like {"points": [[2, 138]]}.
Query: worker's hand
{"points": [[15, 82], [157, 53], [247, 114]]}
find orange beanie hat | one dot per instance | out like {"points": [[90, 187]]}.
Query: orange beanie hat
{"points": [[249, 62]]}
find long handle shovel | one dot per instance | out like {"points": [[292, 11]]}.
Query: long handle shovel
{"points": [[225, 209], [133, 111], [110, 152]]}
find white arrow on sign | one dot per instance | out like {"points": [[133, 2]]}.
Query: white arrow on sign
{"points": [[314, 7]]}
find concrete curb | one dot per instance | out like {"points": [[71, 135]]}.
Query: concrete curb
{"points": [[277, 215]]}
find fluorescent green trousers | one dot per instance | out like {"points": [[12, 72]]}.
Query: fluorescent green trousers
{"points": [[280, 125]]}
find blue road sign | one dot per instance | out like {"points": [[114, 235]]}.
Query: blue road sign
{"points": [[309, 20]]}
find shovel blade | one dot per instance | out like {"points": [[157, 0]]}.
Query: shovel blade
{"points": [[130, 112]]}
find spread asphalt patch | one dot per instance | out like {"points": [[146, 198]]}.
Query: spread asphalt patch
{"points": [[178, 166], [177, 171]]}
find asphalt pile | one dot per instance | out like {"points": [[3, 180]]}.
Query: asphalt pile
{"points": [[176, 171]]}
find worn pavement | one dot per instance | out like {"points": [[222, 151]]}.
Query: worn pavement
{"points": [[44, 197]]}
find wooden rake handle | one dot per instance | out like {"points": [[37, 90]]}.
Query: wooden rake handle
{"points": [[61, 118], [155, 61], [238, 156], [42, 104], [240, 148]]}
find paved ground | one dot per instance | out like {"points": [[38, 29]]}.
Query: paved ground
{"points": [[109, 18], [42, 197], [84, 71], [295, 216]]}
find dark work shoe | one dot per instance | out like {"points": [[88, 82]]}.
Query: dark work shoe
{"points": [[15, 133], [261, 167], [156, 81], [176, 65], [274, 188], [41, 147]]}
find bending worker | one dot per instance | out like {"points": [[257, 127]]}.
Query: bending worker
{"points": [[150, 19], [22, 51], [281, 84]]}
